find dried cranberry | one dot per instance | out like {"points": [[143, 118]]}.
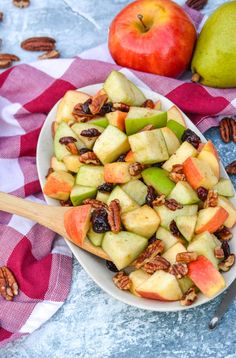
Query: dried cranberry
{"points": [[174, 229], [226, 249], [106, 108], [105, 188], [84, 150], [85, 106], [151, 195], [191, 137], [100, 221], [202, 193], [152, 239], [112, 267], [121, 158]]}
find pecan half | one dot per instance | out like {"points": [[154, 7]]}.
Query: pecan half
{"points": [[223, 234], [121, 106], [186, 257], [38, 44], [231, 168], [227, 263], [176, 177], [81, 112], [96, 204], [160, 200], [233, 129], [172, 204], [148, 104], [225, 129], [5, 64], [196, 4], [122, 281], [149, 253], [90, 133], [71, 147], [21, 3], [219, 253], [211, 200], [89, 158], [179, 270], [158, 263], [97, 102], [177, 168], [174, 229], [135, 169], [8, 57], [148, 127], [189, 297], [49, 55], [8, 284], [114, 220], [1, 16]]}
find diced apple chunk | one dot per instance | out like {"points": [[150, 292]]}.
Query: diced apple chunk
{"points": [[88, 141], [186, 226], [224, 187], [228, 206], [57, 165], [182, 153], [175, 114], [184, 194], [199, 173], [138, 117], [204, 244], [90, 175], [127, 204], [159, 179], [72, 163], [102, 196], [167, 215], [64, 130], [167, 237], [210, 219], [67, 104], [137, 277], [170, 254], [171, 140], [58, 185], [117, 173], [110, 144], [137, 190], [80, 193]]}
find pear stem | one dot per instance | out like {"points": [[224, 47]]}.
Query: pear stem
{"points": [[140, 17], [196, 77]]}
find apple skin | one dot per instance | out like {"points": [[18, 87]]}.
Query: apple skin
{"points": [[117, 173], [210, 219], [59, 185], [205, 276], [209, 154], [199, 173], [165, 49]]}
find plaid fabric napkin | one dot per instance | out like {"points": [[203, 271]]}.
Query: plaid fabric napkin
{"points": [[40, 262]]}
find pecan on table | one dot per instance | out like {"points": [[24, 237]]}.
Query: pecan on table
{"points": [[1, 16], [122, 281], [211, 200], [179, 270], [96, 204], [233, 130], [223, 234], [89, 158], [158, 263], [5, 64], [196, 4], [189, 297], [225, 129], [186, 257], [49, 55], [149, 253], [38, 44], [172, 204], [114, 220], [160, 200], [90, 133], [231, 168], [97, 102], [8, 284], [227, 263], [148, 104], [135, 168], [219, 253], [21, 3], [8, 57]]}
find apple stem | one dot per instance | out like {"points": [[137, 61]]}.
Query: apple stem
{"points": [[196, 77], [140, 17]]}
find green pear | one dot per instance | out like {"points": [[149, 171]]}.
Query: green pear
{"points": [[214, 59]]}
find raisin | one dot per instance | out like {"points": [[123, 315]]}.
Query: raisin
{"points": [[105, 188], [226, 249], [174, 229], [152, 239], [191, 137], [158, 165], [202, 193], [100, 221], [121, 158], [112, 267], [85, 106], [151, 195], [106, 108], [90, 133], [67, 140], [84, 150]]}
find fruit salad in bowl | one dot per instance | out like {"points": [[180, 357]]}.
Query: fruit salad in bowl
{"points": [[150, 194]]}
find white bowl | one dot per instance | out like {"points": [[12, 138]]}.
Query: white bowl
{"points": [[94, 266]]}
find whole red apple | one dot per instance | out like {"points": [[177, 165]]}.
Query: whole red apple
{"points": [[154, 36]]}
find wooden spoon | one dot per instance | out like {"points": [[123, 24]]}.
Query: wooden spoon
{"points": [[51, 217]]}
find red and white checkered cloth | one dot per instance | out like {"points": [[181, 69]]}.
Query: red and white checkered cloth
{"points": [[41, 263]]}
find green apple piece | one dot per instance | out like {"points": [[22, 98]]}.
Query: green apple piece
{"points": [[170, 254], [186, 225], [167, 237], [56, 165], [124, 247], [185, 283], [67, 104], [95, 238], [184, 194], [80, 193], [88, 141], [177, 128], [159, 179], [90, 175], [137, 190], [138, 117], [175, 114], [149, 147], [143, 221], [171, 140], [182, 153], [111, 144], [120, 89], [101, 122], [204, 244], [102, 196], [167, 215], [64, 130], [126, 202], [224, 187], [72, 163]]}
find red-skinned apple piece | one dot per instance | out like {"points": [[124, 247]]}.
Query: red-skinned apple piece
{"points": [[154, 36], [117, 119], [58, 185], [209, 154], [117, 173], [210, 219], [130, 157], [205, 276], [199, 173]]}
